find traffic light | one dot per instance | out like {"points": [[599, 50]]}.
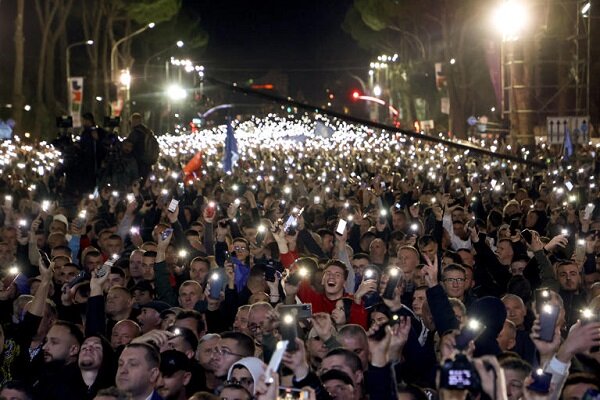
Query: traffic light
{"points": [[355, 94]]}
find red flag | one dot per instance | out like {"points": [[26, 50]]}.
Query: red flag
{"points": [[191, 170]]}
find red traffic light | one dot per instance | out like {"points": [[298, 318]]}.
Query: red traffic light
{"points": [[355, 94]]}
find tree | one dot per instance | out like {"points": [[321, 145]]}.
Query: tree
{"points": [[18, 98], [431, 30]]}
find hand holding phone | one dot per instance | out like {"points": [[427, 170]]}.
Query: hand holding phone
{"points": [[173, 206]]}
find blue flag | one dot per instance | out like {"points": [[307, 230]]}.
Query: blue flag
{"points": [[323, 130], [568, 144], [230, 155]]}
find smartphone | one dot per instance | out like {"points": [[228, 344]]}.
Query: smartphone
{"points": [[298, 311], [173, 205], [165, 234], [382, 216], [275, 360], [371, 274], [23, 227], [526, 234], [45, 258], [542, 296], [392, 283], [217, 284], [105, 268], [589, 210], [289, 227], [380, 333], [471, 331], [270, 273], [588, 316], [541, 381], [548, 318], [493, 183], [80, 277], [514, 226], [341, 227], [569, 185], [289, 330]]}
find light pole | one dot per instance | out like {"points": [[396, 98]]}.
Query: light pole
{"points": [[113, 51], [179, 44], [511, 20], [68, 61], [117, 79]]}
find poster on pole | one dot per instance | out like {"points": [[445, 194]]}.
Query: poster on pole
{"points": [[75, 99]]}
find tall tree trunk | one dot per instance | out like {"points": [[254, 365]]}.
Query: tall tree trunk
{"points": [[18, 98]]}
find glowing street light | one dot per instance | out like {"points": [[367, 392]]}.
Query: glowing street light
{"points": [[586, 7], [377, 90], [179, 43], [125, 78], [510, 19], [176, 92]]}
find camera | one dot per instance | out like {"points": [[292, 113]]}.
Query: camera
{"points": [[112, 122], [459, 374], [64, 122]]}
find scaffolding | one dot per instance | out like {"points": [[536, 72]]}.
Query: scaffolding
{"points": [[547, 73]]}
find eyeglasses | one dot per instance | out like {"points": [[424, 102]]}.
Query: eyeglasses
{"points": [[241, 381], [224, 352], [254, 327], [240, 248], [455, 280]]}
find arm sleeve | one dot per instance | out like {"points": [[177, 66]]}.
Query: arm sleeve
{"points": [[546, 271], [209, 239], [382, 382], [95, 321], [441, 310], [312, 381], [589, 265], [164, 290], [310, 244], [220, 253], [342, 255]]}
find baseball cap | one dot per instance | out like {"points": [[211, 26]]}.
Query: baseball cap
{"points": [[61, 218], [144, 286], [158, 306], [337, 375], [172, 361]]}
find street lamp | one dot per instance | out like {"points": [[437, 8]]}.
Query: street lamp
{"points": [[179, 44], [377, 90], [176, 93], [510, 19], [124, 79], [68, 60], [113, 51]]}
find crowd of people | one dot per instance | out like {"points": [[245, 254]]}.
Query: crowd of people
{"points": [[362, 265]]}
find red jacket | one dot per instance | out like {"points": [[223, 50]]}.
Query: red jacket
{"points": [[320, 303]]}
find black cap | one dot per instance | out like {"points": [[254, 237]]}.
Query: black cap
{"points": [[144, 286], [337, 375], [172, 361], [159, 306]]}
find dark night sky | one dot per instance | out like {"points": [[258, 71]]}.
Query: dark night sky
{"points": [[302, 38]]}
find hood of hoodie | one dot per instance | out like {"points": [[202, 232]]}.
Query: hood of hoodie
{"points": [[254, 365]]}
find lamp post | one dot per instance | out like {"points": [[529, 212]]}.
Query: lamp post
{"points": [[511, 20], [68, 62], [123, 80], [179, 44]]}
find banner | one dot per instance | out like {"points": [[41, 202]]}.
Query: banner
{"points": [[75, 99]]}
